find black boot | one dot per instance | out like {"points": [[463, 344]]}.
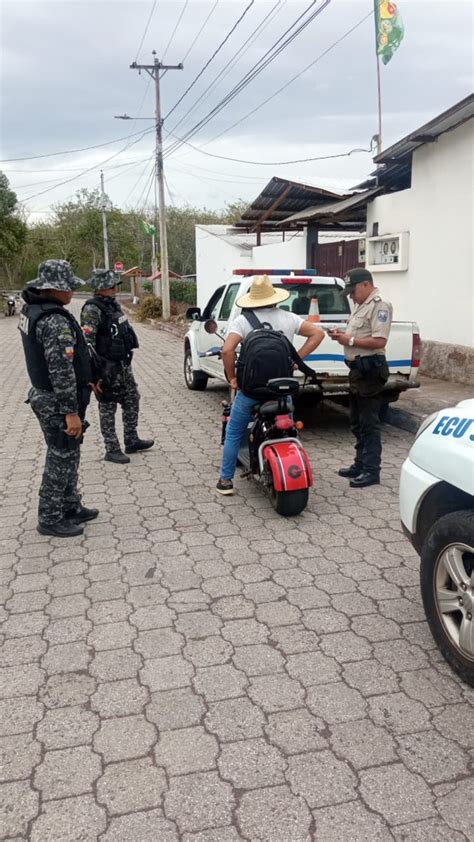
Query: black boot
{"points": [[365, 479], [116, 456], [353, 471], [61, 529], [81, 514], [140, 444]]}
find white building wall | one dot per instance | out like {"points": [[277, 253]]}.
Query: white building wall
{"points": [[215, 260], [290, 254], [216, 257], [437, 290]]}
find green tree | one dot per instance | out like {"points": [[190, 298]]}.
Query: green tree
{"points": [[12, 230]]}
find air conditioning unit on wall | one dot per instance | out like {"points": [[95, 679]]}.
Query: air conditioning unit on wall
{"points": [[388, 253]]}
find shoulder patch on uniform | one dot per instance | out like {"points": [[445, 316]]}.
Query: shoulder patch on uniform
{"points": [[87, 330], [382, 316], [69, 351]]}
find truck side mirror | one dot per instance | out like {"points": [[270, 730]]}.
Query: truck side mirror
{"points": [[193, 314]]}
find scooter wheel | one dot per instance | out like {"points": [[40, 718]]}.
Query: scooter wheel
{"points": [[289, 503]]}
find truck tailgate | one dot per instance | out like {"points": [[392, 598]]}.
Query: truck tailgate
{"points": [[328, 359]]}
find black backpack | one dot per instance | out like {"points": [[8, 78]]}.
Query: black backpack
{"points": [[265, 354]]}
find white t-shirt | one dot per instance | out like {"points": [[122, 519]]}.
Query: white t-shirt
{"points": [[288, 323]]}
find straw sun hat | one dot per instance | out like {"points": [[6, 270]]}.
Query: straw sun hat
{"points": [[262, 294]]}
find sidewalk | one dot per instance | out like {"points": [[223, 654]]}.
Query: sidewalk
{"points": [[408, 412]]}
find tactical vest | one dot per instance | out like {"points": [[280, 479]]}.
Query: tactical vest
{"points": [[34, 352], [116, 338]]}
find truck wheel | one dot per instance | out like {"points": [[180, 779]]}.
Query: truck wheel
{"points": [[195, 380], [289, 503], [447, 588]]}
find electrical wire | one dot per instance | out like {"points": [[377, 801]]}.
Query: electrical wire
{"points": [[171, 198], [174, 30], [208, 62], [146, 187], [276, 163], [269, 56], [72, 151], [294, 78], [242, 50], [142, 173], [89, 169], [146, 28], [199, 33]]}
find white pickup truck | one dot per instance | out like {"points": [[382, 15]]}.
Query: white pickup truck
{"points": [[403, 348]]}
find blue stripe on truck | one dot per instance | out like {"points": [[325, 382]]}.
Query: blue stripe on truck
{"points": [[339, 358]]}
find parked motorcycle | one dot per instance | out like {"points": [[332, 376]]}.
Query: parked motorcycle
{"points": [[271, 452], [10, 305]]}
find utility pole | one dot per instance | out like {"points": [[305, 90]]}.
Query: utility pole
{"points": [[104, 223], [153, 70]]}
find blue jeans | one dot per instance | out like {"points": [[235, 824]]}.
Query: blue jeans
{"points": [[240, 416]]}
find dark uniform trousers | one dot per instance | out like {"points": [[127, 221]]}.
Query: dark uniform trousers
{"points": [[365, 404], [124, 390], [58, 491]]}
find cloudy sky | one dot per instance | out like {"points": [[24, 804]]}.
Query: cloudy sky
{"points": [[65, 74]]}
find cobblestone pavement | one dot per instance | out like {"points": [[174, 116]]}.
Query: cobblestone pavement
{"points": [[201, 669]]}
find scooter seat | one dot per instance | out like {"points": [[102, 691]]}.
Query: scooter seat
{"points": [[269, 408]]}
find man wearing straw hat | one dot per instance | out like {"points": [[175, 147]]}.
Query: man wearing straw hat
{"points": [[264, 298]]}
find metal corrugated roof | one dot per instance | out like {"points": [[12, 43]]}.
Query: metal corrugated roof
{"points": [[280, 198], [344, 210]]}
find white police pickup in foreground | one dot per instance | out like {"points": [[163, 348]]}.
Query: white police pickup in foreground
{"points": [[308, 290], [437, 512]]}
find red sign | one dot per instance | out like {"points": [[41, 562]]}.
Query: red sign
{"points": [[118, 267]]}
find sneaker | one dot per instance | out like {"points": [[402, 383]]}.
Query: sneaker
{"points": [[116, 456], [81, 514], [140, 444], [225, 486], [61, 529]]}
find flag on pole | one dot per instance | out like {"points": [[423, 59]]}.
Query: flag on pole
{"points": [[389, 30], [147, 227]]}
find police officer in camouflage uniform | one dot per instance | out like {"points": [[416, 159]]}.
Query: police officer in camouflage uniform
{"points": [[113, 340], [364, 342], [58, 364]]}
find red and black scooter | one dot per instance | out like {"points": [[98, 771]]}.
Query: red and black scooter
{"points": [[271, 452]]}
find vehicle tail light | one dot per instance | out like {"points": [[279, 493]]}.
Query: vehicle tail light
{"points": [[416, 350], [299, 425], [284, 422]]}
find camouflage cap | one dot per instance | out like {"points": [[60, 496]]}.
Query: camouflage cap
{"points": [[103, 279], [354, 277], [56, 274]]}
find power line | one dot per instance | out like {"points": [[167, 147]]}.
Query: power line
{"points": [[146, 28], [294, 78], [201, 30], [274, 11], [174, 30], [268, 57], [274, 163], [89, 169], [81, 149], [142, 173], [208, 62]]}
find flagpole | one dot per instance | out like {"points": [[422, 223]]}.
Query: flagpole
{"points": [[379, 82], [379, 100]]}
